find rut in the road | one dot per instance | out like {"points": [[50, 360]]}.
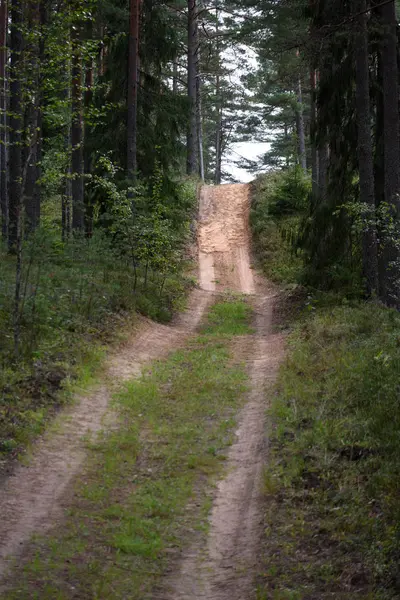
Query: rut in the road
{"points": [[224, 569], [31, 500]]}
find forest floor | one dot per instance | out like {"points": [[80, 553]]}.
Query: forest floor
{"points": [[134, 491]]}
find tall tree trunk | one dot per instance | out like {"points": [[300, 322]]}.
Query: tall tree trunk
{"points": [[313, 125], [192, 141], [301, 138], [133, 72], [199, 117], [390, 291], [175, 77], [77, 133], [218, 103], [323, 153], [3, 120], [33, 124], [101, 63], [218, 147], [364, 148], [43, 17], [16, 122], [286, 135], [89, 81]]}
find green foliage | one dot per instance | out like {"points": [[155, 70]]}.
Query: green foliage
{"points": [[290, 194], [335, 467], [72, 293], [147, 483], [277, 200], [230, 317]]}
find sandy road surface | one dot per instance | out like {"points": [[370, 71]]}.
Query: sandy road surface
{"points": [[224, 248], [32, 499], [224, 569]]}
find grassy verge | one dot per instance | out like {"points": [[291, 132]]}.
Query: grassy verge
{"points": [[130, 511], [74, 295], [333, 482], [274, 226]]}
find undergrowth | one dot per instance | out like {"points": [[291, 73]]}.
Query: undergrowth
{"points": [[74, 297], [332, 482], [130, 514], [333, 478], [274, 219]]}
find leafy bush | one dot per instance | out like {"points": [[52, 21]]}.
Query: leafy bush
{"points": [[73, 291], [274, 223]]}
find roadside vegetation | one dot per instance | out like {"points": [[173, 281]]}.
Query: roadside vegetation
{"points": [[75, 295], [147, 484], [332, 481]]}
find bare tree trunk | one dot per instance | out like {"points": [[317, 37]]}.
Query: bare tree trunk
{"points": [[323, 153], [66, 202], [133, 72], [286, 133], [16, 123], [175, 77], [365, 152], [192, 141], [313, 124], [3, 119], [218, 104], [390, 291], [77, 133], [218, 147], [89, 81], [37, 192], [199, 118], [301, 138], [31, 195]]}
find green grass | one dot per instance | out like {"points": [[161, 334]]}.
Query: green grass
{"points": [[75, 297], [130, 514], [333, 481], [232, 316], [273, 231]]}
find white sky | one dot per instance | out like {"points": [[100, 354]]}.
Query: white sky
{"points": [[252, 149], [249, 150]]}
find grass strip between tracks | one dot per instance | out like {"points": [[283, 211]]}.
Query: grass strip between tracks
{"points": [[148, 481]]}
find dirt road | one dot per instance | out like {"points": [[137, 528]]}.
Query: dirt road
{"points": [[224, 570], [32, 499]]}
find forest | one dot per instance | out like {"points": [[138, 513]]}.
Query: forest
{"points": [[113, 116]]}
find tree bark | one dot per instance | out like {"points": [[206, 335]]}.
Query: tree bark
{"points": [[199, 120], [365, 150], [313, 125], [16, 121], [192, 141], [390, 292], [175, 77], [218, 104], [87, 150], [323, 153], [301, 138], [3, 119], [33, 124], [133, 71], [77, 168]]}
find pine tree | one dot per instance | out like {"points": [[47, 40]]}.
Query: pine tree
{"points": [[16, 123], [365, 150]]}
